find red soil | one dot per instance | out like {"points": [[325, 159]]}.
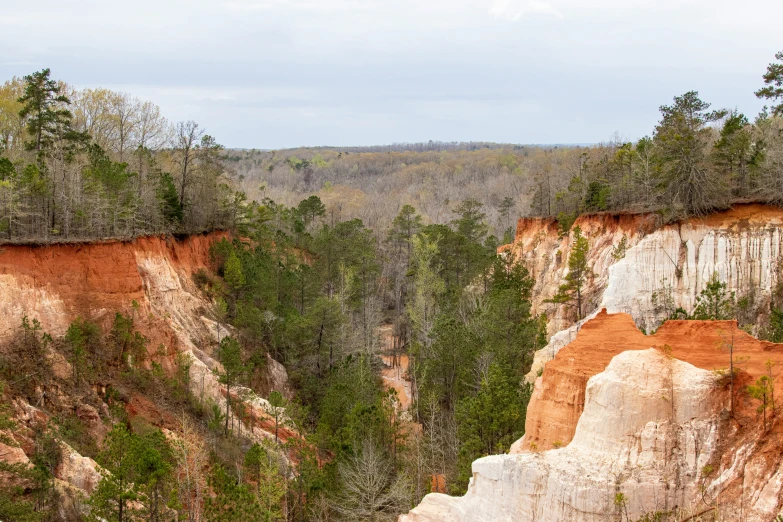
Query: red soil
{"points": [[554, 413], [98, 275]]}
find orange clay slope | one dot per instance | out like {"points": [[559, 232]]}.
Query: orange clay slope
{"points": [[57, 283], [559, 395]]}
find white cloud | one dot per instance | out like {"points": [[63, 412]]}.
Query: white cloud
{"points": [[515, 9]]}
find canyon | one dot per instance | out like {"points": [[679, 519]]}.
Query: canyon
{"points": [[623, 402], [622, 424]]}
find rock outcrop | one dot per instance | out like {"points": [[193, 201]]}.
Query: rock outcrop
{"points": [[648, 270], [646, 416], [664, 429]]}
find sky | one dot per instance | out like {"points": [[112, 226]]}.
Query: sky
{"points": [[285, 73]]}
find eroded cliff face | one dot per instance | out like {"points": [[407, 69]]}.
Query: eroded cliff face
{"points": [[646, 416], [150, 278], [648, 270]]}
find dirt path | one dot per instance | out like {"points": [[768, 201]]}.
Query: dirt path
{"points": [[395, 376]]}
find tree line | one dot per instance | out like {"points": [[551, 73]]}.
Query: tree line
{"points": [[92, 163], [697, 161]]}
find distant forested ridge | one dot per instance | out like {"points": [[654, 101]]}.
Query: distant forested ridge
{"points": [[695, 161], [92, 163]]}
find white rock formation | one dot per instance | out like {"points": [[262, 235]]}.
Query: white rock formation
{"points": [[649, 426], [675, 264], [669, 267]]}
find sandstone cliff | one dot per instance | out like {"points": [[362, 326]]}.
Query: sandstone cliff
{"points": [[618, 412], [648, 270]]}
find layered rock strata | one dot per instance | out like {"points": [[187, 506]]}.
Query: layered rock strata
{"points": [[618, 412]]}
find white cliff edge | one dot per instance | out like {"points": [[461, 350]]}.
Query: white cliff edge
{"points": [[663, 430]]}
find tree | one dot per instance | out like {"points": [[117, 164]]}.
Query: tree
{"points": [[773, 79], [310, 209], [714, 303], [406, 225], [761, 390], [44, 110], [188, 134], [505, 208], [232, 272], [170, 206], [369, 491], [276, 409], [492, 420], [776, 325], [230, 357], [232, 501], [270, 486], [470, 222], [571, 291], [428, 287], [682, 137], [136, 474], [191, 457], [734, 151]]}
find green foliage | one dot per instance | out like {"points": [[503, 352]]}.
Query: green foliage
{"points": [[492, 420], [270, 485], [773, 79], [233, 501], [130, 345], [762, 390], [775, 333], [170, 206], [230, 357], [232, 272], [681, 137], [310, 209], [138, 480], [45, 112], [597, 198], [83, 339], [571, 291], [714, 302], [619, 250], [406, 225]]}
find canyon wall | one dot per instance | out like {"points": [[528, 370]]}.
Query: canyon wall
{"points": [[648, 270], [618, 412], [149, 278]]}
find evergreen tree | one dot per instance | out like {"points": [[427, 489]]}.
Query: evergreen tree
{"points": [[571, 291], [233, 500], [44, 109], [773, 79], [136, 482], [310, 209], [230, 357], [682, 137], [492, 420], [270, 486], [170, 205], [714, 303]]}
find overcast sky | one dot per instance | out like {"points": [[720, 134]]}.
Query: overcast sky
{"points": [[285, 73]]}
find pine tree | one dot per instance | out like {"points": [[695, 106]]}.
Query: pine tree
{"points": [[714, 303], [682, 138], [270, 486], [571, 291], [773, 79], [230, 357], [44, 110]]}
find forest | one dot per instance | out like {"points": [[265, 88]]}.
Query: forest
{"points": [[331, 248]]}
